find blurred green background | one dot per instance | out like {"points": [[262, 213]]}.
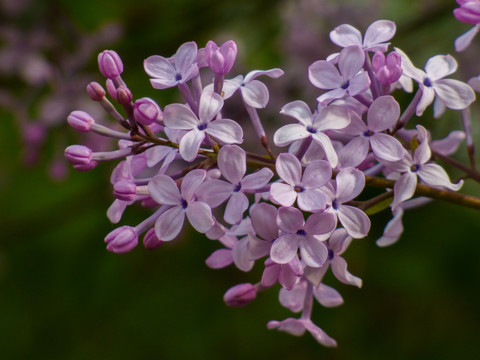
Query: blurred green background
{"points": [[63, 296]]}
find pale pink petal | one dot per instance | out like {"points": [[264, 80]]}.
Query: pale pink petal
{"points": [[316, 174], [115, 211], [346, 35], [409, 69], [339, 241], [359, 84], [273, 73], [326, 144], [264, 220], [312, 200], [219, 259], [320, 335], [350, 183], [435, 175], [199, 215], [255, 94], [257, 180], [289, 168], [270, 275], [191, 182], [236, 206], [282, 194], [329, 96], [164, 190], [427, 98], [299, 110], [404, 188], [291, 326], [386, 147], [383, 113], [226, 130], [170, 223], [422, 153], [230, 86], [332, 117], [214, 192], [393, 230], [448, 145], [286, 277], [439, 66], [185, 56], [284, 249], [290, 219], [312, 251], [241, 255], [324, 75], [232, 162], [352, 154], [354, 220], [190, 144], [454, 94], [210, 105], [464, 40], [379, 32], [293, 299], [350, 61], [290, 133], [339, 269], [179, 117], [327, 296], [320, 223], [258, 248]]}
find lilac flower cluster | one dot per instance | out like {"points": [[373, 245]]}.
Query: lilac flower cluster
{"points": [[297, 210]]}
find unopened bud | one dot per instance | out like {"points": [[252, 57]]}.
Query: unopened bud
{"points": [[146, 111], [387, 70], [110, 64], [240, 295], [125, 190], [80, 121], [221, 59], [78, 155], [124, 96], [122, 239], [151, 241], [95, 91]]}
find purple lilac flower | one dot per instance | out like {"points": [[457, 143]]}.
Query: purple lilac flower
{"points": [[454, 94], [376, 37], [294, 299], [166, 73], [468, 12], [164, 191], [347, 80], [181, 117], [305, 189], [254, 92], [298, 327], [387, 69], [221, 59], [285, 274], [307, 236], [347, 185], [381, 115], [232, 162], [418, 166], [312, 126]]}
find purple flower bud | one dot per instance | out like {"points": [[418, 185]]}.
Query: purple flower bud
{"points": [[95, 91], [146, 111], [80, 121], [122, 239], [112, 90], [151, 241], [124, 96], [110, 64], [78, 155], [240, 295], [90, 166], [125, 190], [221, 60], [389, 69]]}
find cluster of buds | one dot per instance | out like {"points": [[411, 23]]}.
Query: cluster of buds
{"points": [[297, 210]]}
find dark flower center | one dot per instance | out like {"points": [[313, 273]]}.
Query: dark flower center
{"points": [[298, 189], [311, 130], [202, 126], [346, 85], [330, 255], [301, 232], [178, 77], [368, 133], [415, 167], [334, 204], [237, 187], [427, 82], [184, 204]]}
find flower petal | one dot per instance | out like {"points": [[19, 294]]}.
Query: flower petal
{"points": [[339, 269], [312, 251], [454, 94], [289, 168], [190, 144], [324, 75], [290, 133], [255, 94], [439, 66], [386, 147], [350, 61], [299, 110], [164, 190], [312, 200], [290, 219], [257, 180], [404, 188], [316, 174], [326, 144], [350, 183], [327, 296], [264, 220], [169, 224], [185, 57], [354, 220], [214, 192], [199, 215], [378, 32], [284, 249], [346, 35], [179, 117], [210, 105], [383, 113], [219, 259], [236, 206], [435, 175], [232, 162], [320, 223], [226, 130], [282, 194]]}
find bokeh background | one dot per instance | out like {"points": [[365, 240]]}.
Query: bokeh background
{"points": [[63, 296]]}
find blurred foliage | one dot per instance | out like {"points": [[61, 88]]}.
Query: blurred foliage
{"points": [[63, 296]]}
